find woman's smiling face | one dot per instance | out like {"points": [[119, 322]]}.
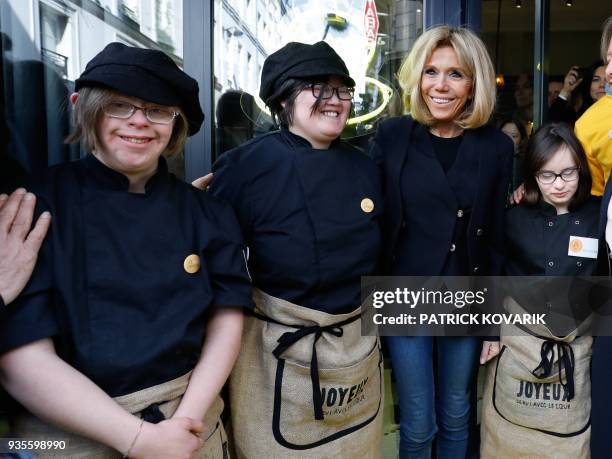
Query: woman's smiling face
{"points": [[445, 85], [327, 122], [132, 146]]}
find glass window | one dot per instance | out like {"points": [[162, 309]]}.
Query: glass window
{"points": [[508, 32], [572, 40], [45, 45], [371, 36]]}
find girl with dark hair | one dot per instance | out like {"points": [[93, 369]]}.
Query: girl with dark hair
{"points": [[553, 232], [309, 206], [556, 144]]}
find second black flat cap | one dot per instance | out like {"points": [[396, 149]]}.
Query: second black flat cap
{"points": [[300, 60]]}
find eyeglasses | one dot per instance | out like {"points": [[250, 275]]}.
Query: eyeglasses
{"points": [[325, 91], [548, 177], [123, 110]]}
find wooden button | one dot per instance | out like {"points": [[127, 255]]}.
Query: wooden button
{"points": [[192, 264], [367, 205]]}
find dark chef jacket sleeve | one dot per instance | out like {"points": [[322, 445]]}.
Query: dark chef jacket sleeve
{"points": [[31, 317], [229, 185], [227, 262]]}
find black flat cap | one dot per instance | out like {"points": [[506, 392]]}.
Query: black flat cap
{"points": [[299, 60], [147, 74]]}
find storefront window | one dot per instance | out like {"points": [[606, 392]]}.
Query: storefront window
{"points": [[571, 34], [371, 36], [508, 32], [45, 45]]}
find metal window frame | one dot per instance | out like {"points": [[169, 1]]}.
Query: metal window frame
{"points": [[198, 59], [452, 12], [541, 62]]}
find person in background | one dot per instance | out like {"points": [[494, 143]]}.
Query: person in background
{"points": [[516, 131], [19, 243], [523, 97], [309, 206], [581, 88], [555, 85], [598, 83], [133, 316], [593, 128], [595, 132], [445, 175]]}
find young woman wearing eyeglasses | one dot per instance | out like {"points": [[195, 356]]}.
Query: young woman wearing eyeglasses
{"points": [[132, 320], [538, 390], [308, 205]]}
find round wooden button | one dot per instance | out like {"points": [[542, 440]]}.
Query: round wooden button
{"points": [[367, 205], [192, 264]]}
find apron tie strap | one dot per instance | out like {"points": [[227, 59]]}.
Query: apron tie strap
{"points": [[152, 414], [565, 362], [288, 339]]}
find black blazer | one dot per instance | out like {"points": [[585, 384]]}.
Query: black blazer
{"points": [[400, 142]]}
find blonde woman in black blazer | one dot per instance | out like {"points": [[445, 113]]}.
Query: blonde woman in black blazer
{"points": [[445, 177]]}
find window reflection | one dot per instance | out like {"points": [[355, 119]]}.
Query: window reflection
{"points": [[371, 36], [573, 37], [45, 46]]}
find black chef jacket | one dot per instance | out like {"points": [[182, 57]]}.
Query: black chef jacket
{"points": [[538, 239], [112, 286], [302, 215]]}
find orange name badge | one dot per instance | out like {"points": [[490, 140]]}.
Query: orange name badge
{"points": [[585, 247], [192, 264]]}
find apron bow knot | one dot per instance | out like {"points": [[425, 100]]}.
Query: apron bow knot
{"points": [[288, 339], [565, 362]]}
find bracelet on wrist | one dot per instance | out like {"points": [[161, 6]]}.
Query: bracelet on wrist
{"points": [[129, 451]]}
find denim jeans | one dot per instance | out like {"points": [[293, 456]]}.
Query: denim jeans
{"points": [[426, 406]]}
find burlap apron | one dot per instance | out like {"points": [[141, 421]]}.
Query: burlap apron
{"points": [[537, 398], [166, 396], [306, 384]]}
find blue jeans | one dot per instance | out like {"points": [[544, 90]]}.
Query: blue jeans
{"points": [[428, 407]]}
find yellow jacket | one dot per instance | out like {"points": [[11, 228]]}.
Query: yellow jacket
{"points": [[594, 129]]}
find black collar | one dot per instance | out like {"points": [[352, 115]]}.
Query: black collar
{"points": [[546, 209], [297, 141], [106, 178]]}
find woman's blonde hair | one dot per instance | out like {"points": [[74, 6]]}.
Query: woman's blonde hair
{"points": [[473, 57], [89, 108], [606, 38]]}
